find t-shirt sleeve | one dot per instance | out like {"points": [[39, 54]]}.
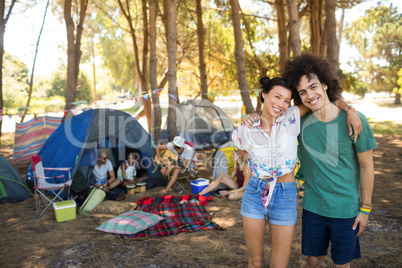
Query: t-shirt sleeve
{"points": [[188, 153], [239, 137], [292, 117], [109, 165], [169, 145], [365, 140]]}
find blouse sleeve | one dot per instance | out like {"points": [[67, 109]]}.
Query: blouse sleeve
{"points": [[292, 117], [238, 137]]}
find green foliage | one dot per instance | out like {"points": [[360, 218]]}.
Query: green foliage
{"points": [[352, 83], [378, 37], [57, 86], [399, 82], [15, 82]]}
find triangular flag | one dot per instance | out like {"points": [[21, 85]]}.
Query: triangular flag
{"points": [[172, 96]]}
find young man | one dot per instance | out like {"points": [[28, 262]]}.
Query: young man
{"points": [[186, 157], [338, 171], [104, 170]]}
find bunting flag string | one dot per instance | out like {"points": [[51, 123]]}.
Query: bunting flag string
{"points": [[172, 96]]}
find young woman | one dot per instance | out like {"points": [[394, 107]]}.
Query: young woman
{"points": [[242, 173], [127, 172], [271, 144]]}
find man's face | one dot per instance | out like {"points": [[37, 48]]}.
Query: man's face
{"points": [[312, 93], [102, 158], [179, 150]]}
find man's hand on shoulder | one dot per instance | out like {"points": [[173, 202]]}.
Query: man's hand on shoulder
{"points": [[250, 119]]}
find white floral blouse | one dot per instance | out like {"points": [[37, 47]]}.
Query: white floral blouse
{"points": [[274, 155]]}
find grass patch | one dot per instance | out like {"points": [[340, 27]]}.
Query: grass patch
{"points": [[131, 110], [388, 128]]}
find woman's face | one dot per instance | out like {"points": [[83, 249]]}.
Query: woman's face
{"points": [[131, 159], [235, 156], [277, 100]]}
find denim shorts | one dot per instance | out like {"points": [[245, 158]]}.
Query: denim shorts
{"points": [[280, 211], [318, 231]]}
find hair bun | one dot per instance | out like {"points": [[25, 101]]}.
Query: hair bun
{"points": [[265, 81]]}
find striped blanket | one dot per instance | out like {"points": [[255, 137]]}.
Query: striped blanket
{"points": [[30, 136], [181, 213]]}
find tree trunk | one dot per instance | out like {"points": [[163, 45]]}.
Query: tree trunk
{"points": [[239, 55], [315, 33], [156, 111], [330, 27], [171, 48], [3, 23], [200, 36], [294, 27], [73, 49], [282, 36], [141, 72], [397, 98], [33, 65]]}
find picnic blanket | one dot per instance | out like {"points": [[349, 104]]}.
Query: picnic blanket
{"points": [[181, 213]]}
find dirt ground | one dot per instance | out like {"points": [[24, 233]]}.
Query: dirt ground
{"points": [[27, 241]]}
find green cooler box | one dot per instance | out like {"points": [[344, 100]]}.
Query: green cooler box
{"points": [[65, 210]]}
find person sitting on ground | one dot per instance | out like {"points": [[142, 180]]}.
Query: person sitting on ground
{"points": [[104, 170], [185, 155], [127, 172], [241, 170]]}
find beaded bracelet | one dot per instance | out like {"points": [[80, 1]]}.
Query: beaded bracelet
{"points": [[366, 204]]}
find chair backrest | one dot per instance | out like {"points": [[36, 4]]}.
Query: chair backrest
{"points": [[37, 166]]}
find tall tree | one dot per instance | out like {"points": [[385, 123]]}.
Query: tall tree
{"points": [[172, 80], [5, 15], [200, 38], [141, 71], [239, 55], [156, 111], [377, 35], [315, 7], [294, 27], [282, 33], [330, 27], [74, 35], [34, 62]]}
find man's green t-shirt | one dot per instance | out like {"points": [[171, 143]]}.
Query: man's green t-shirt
{"points": [[330, 165]]}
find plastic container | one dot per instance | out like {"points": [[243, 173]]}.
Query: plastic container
{"points": [[199, 185], [65, 210]]}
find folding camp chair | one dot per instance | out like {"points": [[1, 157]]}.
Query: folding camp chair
{"points": [[57, 185], [187, 174]]}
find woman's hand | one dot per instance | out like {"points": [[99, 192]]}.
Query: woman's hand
{"points": [[354, 124]]}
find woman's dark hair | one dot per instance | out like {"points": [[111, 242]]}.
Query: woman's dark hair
{"points": [[310, 66], [267, 84]]}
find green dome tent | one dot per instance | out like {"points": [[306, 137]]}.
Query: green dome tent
{"points": [[12, 187]]}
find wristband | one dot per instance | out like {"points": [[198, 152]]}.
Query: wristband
{"points": [[349, 107], [365, 211]]}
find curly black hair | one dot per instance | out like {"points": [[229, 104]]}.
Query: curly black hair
{"points": [[310, 65]]}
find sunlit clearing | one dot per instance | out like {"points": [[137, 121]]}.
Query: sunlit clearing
{"points": [[225, 222], [213, 208]]}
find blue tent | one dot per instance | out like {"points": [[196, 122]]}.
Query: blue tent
{"points": [[75, 143]]}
